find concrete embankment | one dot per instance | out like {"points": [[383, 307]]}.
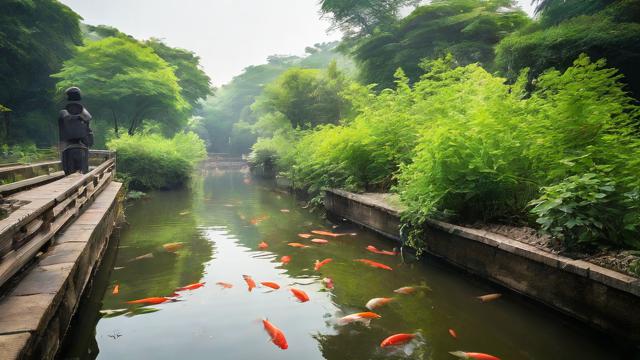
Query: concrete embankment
{"points": [[602, 298], [35, 314]]}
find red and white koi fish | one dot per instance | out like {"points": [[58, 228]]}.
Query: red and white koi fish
{"points": [[397, 339], [263, 245], [473, 355], [151, 300], [277, 336], [405, 290], [328, 282], [374, 264], [250, 283], [191, 286], [453, 333], [322, 263], [297, 245], [378, 302], [285, 259], [327, 233], [270, 284], [489, 297], [362, 317], [224, 285], [116, 290], [305, 236], [301, 295], [375, 250], [319, 241]]}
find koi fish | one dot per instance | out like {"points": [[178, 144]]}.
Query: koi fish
{"points": [[326, 233], [259, 219], [328, 282], [375, 250], [489, 297], [191, 286], [472, 355], [224, 285], [284, 210], [142, 257], [285, 259], [373, 264], [277, 336], [378, 302], [270, 284], [405, 290], [184, 213], [263, 245], [362, 317], [397, 339], [322, 263], [151, 300], [305, 236], [453, 333], [320, 241], [250, 283], [247, 181], [173, 247], [297, 245], [301, 295], [116, 290]]}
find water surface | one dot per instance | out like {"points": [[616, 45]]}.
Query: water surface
{"points": [[221, 220]]}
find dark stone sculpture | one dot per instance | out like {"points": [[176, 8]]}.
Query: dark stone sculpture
{"points": [[75, 134]]}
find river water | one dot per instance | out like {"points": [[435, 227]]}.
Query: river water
{"points": [[222, 218]]}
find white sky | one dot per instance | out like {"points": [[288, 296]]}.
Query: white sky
{"points": [[228, 35]]}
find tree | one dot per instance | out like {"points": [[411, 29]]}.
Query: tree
{"points": [[468, 29], [127, 81], [600, 29], [362, 17], [195, 83]]}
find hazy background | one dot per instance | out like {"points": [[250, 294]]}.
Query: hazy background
{"points": [[228, 35]]}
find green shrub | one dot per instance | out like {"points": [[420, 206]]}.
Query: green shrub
{"points": [[151, 161]]}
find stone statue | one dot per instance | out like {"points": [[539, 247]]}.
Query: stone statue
{"points": [[75, 134]]}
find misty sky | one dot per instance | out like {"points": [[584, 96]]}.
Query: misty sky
{"points": [[228, 35]]}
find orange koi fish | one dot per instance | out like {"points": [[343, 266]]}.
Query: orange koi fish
{"points": [[473, 355], [305, 236], [270, 284], [322, 263], [173, 247], [405, 290], [453, 333], [224, 285], [328, 282], [116, 290], [191, 286], [378, 302], [374, 264], [320, 241], [362, 317], [489, 297], [375, 250], [397, 339], [151, 300], [277, 336], [301, 295], [285, 259], [259, 219], [250, 283], [297, 245], [263, 245], [326, 233]]}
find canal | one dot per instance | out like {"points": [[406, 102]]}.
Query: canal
{"points": [[219, 223]]}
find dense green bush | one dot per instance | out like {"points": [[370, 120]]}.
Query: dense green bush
{"points": [[151, 161]]}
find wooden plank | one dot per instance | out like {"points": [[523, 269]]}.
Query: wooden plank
{"points": [[23, 185], [10, 169]]}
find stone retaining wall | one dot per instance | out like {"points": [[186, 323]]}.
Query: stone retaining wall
{"points": [[35, 315], [603, 298]]}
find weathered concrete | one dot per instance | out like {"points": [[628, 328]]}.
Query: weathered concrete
{"points": [[600, 297], [35, 315]]}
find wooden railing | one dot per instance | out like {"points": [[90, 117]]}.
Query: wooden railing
{"points": [[42, 211]]}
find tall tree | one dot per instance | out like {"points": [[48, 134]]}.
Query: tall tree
{"points": [[362, 17], [468, 29], [127, 81], [195, 83]]}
